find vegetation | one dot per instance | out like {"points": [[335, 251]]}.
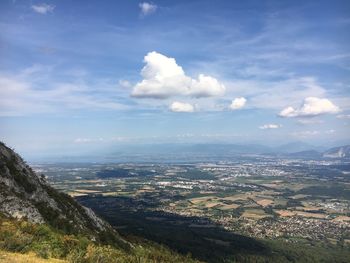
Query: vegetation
{"points": [[49, 243], [115, 173], [20, 177], [196, 174], [209, 244], [334, 191], [122, 173], [266, 217], [26, 258]]}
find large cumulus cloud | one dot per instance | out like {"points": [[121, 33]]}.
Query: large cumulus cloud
{"points": [[312, 106], [164, 78]]}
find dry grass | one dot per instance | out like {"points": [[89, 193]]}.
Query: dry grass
{"points": [[308, 208], [212, 204], [7, 257], [201, 199], [255, 214], [228, 207], [287, 213], [110, 193], [86, 191], [240, 196], [342, 219], [74, 194], [299, 196], [141, 191], [296, 187], [311, 215], [264, 202]]}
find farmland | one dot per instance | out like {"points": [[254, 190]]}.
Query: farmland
{"points": [[290, 201]]}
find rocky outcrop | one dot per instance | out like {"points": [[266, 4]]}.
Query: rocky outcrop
{"points": [[25, 195]]}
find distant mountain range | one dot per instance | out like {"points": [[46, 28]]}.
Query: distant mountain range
{"points": [[341, 152], [217, 148], [295, 149], [179, 152], [338, 152]]}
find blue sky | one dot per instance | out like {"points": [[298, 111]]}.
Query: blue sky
{"points": [[80, 74]]}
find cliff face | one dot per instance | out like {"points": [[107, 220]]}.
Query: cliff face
{"points": [[25, 195]]}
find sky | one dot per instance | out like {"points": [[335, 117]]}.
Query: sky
{"points": [[76, 75]]}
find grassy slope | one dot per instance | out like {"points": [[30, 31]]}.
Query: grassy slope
{"points": [[42, 241], [26, 258]]}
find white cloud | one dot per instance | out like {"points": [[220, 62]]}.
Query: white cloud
{"points": [[238, 103], [43, 8], [147, 8], [288, 112], [309, 121], [177, 106], [304, 134], [273, 94], [124, 83], [330, 131], [311, 106], [23, 94], [270, 126], [164, 78], [88, 140]]}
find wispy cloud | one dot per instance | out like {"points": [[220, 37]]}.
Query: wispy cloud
{"points": [[124, 83], [312, 133], [270, 126], [88, 140], [275, 94], [309, 121], [23, 94], [311, 106], [147, 8], [305, 134], [43, 8]]}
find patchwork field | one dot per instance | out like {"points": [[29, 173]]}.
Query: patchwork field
{"points": [[254, 214], [269, 201]]}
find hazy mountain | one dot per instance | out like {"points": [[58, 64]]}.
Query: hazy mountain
{"points": [[311, 154], [208, 148], [171, 152], [338, 152], [297, 146]]}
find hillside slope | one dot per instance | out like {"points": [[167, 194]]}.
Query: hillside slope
{"points": [[21, 241], [37, 221], [25, 195]]}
